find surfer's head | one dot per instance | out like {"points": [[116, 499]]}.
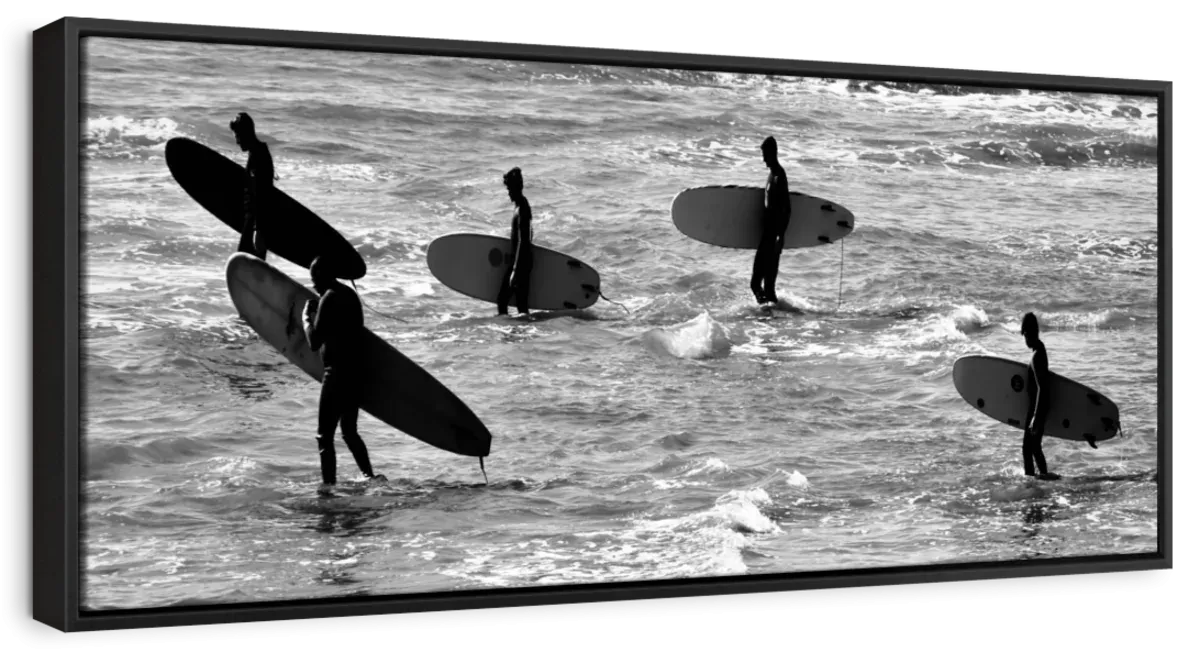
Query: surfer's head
{"points": [[243, 129], [770, 150], [1029, 328], [514, 182], [321, 278]]}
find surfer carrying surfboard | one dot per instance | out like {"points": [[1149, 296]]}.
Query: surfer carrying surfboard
{"points": [[333, 325], [1039, 374], [260, 179], [777, 212], [516, 279]]}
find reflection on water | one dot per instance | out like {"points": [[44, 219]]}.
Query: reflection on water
{"points": [[248, 387]]}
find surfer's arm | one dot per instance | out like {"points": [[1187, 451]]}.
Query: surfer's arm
{"points": [[261, 170], [524, 235], [1041, 374], [315, 327], [782, 198]]}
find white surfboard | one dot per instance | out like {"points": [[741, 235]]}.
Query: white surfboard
{"points": [[731, 216], [1000, 389], [475, 264]]}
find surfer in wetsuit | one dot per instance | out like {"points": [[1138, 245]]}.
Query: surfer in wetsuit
{"points": [[516, 279], [1039, 375], [260, 179], [777, 212], [333, 325]]}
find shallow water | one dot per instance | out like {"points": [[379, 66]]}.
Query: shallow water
{"points": [[694, 435]]}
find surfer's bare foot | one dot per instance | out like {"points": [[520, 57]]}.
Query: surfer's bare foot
{"points": [[1048, 476], [325, 489], [1091, 440], [378, 478]]}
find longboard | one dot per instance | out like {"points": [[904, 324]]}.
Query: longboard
{"points": [[396, 390], [1000, 389], [731, 216], [475, 264], [219, 185]]}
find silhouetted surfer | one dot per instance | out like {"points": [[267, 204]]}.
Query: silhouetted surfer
{"points": [[334, 326], [776, 215], [516, 278], [1039, 375], [260, 179]]}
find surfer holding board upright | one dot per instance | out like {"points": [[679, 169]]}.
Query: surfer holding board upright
{"points": [[516, 279], [777, 212], [260, 179], [333, 325]]}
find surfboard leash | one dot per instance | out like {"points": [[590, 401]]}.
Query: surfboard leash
{"points": [[841, 275], [591, 288], [485, 480], [381, 314]]}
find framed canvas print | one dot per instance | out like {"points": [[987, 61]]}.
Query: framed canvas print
{"points": [[333, 325]]}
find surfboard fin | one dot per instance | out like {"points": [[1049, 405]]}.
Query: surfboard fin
{"points": [[824, 238], [844, 224], [828, 208], [485, 480]]}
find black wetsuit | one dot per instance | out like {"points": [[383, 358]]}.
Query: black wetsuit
{"points": [[1031, 445], [260, 179], [337, 331], [522, 265], [776, 216]]}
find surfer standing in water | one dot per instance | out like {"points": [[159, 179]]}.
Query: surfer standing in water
{"points": [[516, 279], [776, 215], [333, 325], [1039, 374], [260, 179]]}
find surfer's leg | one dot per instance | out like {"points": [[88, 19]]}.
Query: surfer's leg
{"points": [[760, 261], [521, 277], [505, 293], [350, 432], [1038, 456], [260, 244], [262, 228], [327, 419], [772, 268], [246, 243], [1027, 451]]}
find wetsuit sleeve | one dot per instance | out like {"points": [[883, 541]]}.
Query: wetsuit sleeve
{"points": [[1041, 374], [523, 234], [317, 331], [782, 195], [261, 171]]}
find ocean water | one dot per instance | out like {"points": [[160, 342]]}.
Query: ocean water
{"points": [[692, 435]]}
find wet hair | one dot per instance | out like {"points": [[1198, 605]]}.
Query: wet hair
{"points": [[1029, 324], [512, 177], [243, 123], [770, 146], [317, 268]]}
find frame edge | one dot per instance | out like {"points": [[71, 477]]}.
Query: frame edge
{"points": [[50, 604]]}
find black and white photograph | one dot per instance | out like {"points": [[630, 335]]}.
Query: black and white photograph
{"points": [[374, 324]]}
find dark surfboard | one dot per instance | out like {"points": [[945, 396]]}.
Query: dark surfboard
{"points": [[218, 184]]}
